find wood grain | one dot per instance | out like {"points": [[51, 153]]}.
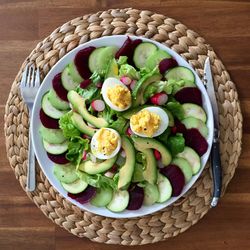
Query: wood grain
{"points": [[224, 24]]}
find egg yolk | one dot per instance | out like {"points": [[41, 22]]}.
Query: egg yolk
{"points": [[145, 122], [107, 141], [119, 96]]}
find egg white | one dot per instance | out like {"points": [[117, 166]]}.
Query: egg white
{"points": [[94, 146], [111, 82], [163, 124]]}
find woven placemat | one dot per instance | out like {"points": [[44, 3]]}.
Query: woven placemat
{"points": [[195, 204]]}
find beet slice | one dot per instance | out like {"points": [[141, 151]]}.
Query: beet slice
{"points": [[180, 127], [58, 159], [82, 61], [58, 87], [166, 64], [189, 95], [127, 49], [47, 121], [136, 197], [196, 141], [85, 83], [84, 196], [176, 178]]}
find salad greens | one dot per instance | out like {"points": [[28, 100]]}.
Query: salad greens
{"points": [[176, 109], [128, 70], [176, 143], [67, 127]]}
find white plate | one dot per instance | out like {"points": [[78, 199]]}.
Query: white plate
{"points": [[47, 165]]}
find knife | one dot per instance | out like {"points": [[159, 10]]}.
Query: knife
{"points": [[215, 151]]}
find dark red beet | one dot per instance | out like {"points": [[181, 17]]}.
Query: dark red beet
{"points": [[81, 62], [196, 141], [127, 49], [166, 64], [136, 196], [176, 178], [47, 121], [58, 159], [58, 87], [189, 95], [84, 196], [180, 127], [85, 83]]}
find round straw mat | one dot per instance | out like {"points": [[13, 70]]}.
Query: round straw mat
{"points": [[172, 220]]}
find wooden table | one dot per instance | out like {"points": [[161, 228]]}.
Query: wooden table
{"points": [[224, 24]]}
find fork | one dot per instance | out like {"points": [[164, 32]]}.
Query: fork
{"points": [[29, 86]]}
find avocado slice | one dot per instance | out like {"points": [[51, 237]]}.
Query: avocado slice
{"points": [[79, 105], [79, 123], [150, 172], [147, 143], [142, 84], [90, 167], [127, 170], [112, 70]]}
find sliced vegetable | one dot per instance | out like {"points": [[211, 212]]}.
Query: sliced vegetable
{"points": [[58, 87], [167, 64], [179, 73], [47, 121], [84, 196], [159, 99], [136, 197], [119, 201], [98, 105], [58, 159], [189, 95]]}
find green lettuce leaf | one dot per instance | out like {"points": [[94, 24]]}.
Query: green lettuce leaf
{"points": [[164, 136], [97, 180], [130, 71], [76, 147], [122, 60], [176, 144], [68, 129], [120, 125], [109, 114], [175, 108]]}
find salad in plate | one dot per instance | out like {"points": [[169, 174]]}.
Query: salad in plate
{"points": [[125, 127]]}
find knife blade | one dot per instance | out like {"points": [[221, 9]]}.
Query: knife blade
{"points": [[215, 151]]}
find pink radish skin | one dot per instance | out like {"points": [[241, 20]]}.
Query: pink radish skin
{"points": [[160, 164], [84, 155], [125, 80], [157, 155], [129, 131], [159, 98], [123, 154], [86, 137], [132, 85], [98, 105], [99, 85]]}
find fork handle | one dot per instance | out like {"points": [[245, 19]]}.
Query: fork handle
{"points": [[31, 175]]}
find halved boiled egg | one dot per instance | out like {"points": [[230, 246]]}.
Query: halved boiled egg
{"points": [[149, 122], [116, 95], [105, 143]]}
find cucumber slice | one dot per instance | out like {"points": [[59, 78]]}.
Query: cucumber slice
{"points": [[119, 201], [142, 53], [49, 109], [194, 110], [56, 101], [75, 187], [65, 173], [67, 80], [179, 73], [74, 73], [102, 197], [164, 187], [192, 157], [55, 149], [191, 122], [100, 57], [154, 59], [52, 135], [184, 166], [151, 194]]}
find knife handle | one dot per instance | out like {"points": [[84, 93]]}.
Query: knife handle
{"points": [[216, 171]]}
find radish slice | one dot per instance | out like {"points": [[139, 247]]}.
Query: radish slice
{"points": [[98, 105], [125, 80], [85, 83], [160, 164], [132, 85], [84, 155], [86, 137], [99, 85], [129, 131], [123, 154], [159, 98], [157, 155], [109, 174]]}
